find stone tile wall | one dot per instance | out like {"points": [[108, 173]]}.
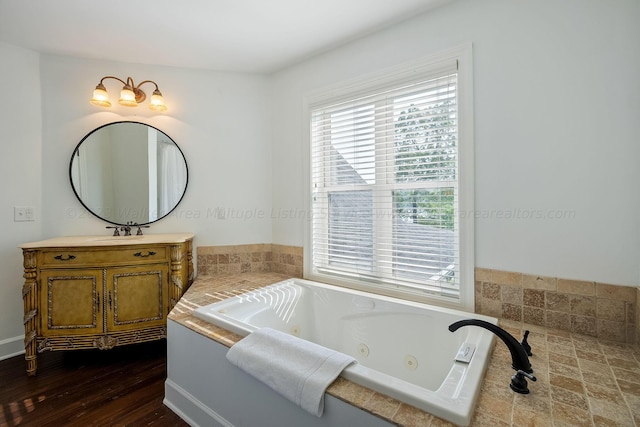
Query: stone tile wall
{"points": [[589, 308], [287, 260], [254, 258]]}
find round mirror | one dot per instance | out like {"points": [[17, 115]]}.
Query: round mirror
{"points": [[128, 172]]}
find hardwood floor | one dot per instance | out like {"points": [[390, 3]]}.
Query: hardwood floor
{"points": [[123, 386]]}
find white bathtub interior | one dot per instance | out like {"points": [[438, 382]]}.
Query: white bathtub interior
{"points": [[403, 349]]}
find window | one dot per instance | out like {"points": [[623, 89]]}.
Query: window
{"points": [[386, 190]]}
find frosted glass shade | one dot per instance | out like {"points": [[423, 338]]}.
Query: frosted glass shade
{"points": [[127, 97], [157, 101], [100, 97]]}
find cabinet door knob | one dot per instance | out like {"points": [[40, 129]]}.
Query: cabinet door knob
{"points": [[62, 258], [144, 256]]}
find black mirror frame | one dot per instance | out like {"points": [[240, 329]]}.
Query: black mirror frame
{"points": [[75, 150]]}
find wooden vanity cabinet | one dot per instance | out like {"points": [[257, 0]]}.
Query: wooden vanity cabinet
{"points": [[93, 292]]}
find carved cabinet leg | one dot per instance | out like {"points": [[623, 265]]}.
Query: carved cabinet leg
{"points": [[175, 283], [30, 301]]}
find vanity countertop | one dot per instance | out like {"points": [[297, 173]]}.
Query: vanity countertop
{"points": [[85, 241], [582, 381]]}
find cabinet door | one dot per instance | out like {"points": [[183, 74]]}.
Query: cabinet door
{"points": [[70, 302], [137, 296]]}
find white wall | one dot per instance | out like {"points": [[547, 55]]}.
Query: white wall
{"points": [[20, 163], [220, 121], [557, 107]]}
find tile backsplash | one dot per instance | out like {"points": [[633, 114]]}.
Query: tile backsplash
{"points": [[254, 258], [637, 316], [589, 308]]}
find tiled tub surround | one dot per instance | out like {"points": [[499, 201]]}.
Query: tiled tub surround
{"points": [[589, 308], [582, 380], [254, 258]]}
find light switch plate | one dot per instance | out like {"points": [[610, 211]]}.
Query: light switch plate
{"points": [[23, 213]]}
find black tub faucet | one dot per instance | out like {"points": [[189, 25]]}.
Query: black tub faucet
{"points": [[519, 359]]}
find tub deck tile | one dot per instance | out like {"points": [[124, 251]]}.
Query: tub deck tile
{"points": [[599, 372]]}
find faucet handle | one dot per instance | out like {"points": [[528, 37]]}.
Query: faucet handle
{"points": [[525, 344], [519, 382], [526, 374], [140, 227], [115, 230]]}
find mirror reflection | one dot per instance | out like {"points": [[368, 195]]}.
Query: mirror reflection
{"points": [[128, 172]]}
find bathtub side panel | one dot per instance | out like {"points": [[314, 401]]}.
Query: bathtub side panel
{"points": [[205, 389]]}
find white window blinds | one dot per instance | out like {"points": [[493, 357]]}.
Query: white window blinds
{"points": [[384, 178]]}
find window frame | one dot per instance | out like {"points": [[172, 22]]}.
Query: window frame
{"points": [[392, 77]]}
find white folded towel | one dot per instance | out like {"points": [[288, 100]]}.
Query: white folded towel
{"points": [[298, 369]]}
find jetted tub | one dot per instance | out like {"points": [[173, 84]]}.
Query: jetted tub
{"points": [[403, 349]]}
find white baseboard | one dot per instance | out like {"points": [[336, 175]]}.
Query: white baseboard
{"points": [[190, 409], [11, 347]]}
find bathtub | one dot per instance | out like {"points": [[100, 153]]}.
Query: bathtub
{"points": [[403, 349]]}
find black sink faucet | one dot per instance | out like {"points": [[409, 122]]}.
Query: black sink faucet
{"points": [[127, 228], [519, 359]]}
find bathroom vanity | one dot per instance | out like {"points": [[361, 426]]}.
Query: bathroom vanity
{"points": [[101, 291]]}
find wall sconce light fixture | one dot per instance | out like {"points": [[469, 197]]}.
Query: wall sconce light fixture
{"points": [[130, 96]]}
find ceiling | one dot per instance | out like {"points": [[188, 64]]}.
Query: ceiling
{"points": [[259, 36]]}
